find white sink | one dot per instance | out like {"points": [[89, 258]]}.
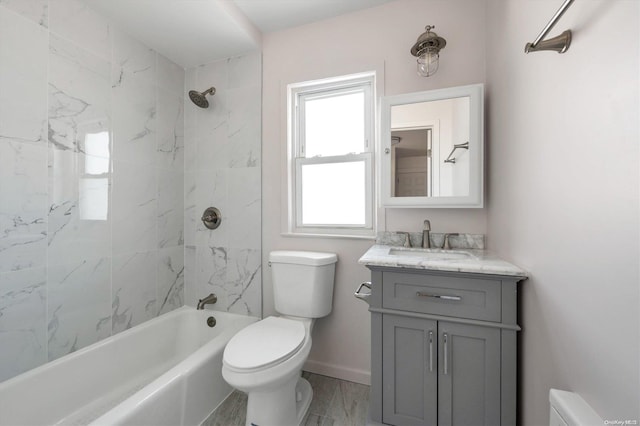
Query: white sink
{"points": [[430, 254]]}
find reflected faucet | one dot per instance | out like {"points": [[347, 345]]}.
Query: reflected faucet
{"points": [[426, 234], [209, 300]]}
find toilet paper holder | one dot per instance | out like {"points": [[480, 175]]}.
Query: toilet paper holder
{"points": [[361, 295]]}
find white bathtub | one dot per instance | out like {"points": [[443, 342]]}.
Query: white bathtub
{"points": [[166, 371]]}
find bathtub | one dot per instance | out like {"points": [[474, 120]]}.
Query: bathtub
{"points": [[166, 371]]}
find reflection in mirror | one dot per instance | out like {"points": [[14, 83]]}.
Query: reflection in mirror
{"points": [[411, 162], [425, 161], [432, 145]]}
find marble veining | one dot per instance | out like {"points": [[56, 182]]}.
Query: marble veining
{"points": [[105, 169], [23, 79], [23, 211], [222, 169], [134, 289], [80, 191], [78, 218], [35, 10], [134, 116], [170, 208], [78, 308], [461, 241], [135, 207], [170, 279], [132, 58], [23, 343], [170, 131], [478, 261], [78, 96]]}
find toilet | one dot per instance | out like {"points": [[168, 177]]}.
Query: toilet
{"points": [[265, 359]]}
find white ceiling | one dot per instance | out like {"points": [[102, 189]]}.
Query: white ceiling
{"points": [[194, 32], [275, 15]]}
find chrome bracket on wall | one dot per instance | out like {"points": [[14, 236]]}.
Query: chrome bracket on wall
{"points": [[451, 158], [211, 218], [559, 43]]}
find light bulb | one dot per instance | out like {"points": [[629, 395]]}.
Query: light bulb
{"points": [[428, 64]]}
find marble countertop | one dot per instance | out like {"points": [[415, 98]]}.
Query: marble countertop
{"points": [[467, 260]]}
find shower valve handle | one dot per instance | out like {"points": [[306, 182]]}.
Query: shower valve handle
{"points": [[211, 218]]}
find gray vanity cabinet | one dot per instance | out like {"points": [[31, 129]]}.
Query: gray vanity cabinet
{"points": [[469, 379], [410, 385], [443, 348]]}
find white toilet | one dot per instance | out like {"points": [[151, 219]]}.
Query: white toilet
{"points": [[265, 359]]}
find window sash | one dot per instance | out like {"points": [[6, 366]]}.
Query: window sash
{"points": [[367, 158], [304, 97]]}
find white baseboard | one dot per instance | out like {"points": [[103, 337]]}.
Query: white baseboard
{"points": [[338, 371]]}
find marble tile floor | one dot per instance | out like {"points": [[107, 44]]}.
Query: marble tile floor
{"points": [[335, 403]]}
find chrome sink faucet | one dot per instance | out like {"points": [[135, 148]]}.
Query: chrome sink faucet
{"points": [[426, 234], [209, 300]]}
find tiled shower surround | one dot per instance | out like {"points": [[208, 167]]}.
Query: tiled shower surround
{"points": [[92, 183], [222, 169]]}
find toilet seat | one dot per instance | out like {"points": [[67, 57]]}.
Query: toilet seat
{"points": [[264, 344]]}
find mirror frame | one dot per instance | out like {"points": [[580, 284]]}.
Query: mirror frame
{"points": [[475, 92]]}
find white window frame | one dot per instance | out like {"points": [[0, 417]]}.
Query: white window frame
{"points": [[297, 94]]}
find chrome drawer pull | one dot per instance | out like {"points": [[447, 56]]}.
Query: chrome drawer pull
{"points": [[446, 354], [430, 350], [438, 296]]}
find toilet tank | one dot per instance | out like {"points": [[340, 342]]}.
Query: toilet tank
{"points": [[303, 282]]}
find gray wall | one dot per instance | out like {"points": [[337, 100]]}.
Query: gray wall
{"points": [[563, 197], [343, 45]]}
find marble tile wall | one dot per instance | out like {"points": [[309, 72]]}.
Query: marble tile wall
{"points": [[92, 183], [222, 169]]}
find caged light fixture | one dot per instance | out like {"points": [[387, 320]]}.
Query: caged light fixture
{"points": [[427, 50]]}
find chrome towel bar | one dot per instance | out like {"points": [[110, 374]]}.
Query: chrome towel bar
{"points": [[559, 43]]}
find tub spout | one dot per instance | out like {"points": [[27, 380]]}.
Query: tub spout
{"points": [[210, 299]]}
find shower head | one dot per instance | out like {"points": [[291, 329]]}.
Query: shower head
{"points": [[200, 99]]}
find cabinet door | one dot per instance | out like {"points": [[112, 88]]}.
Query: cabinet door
{"points": [[409, 371], [469, 381]]}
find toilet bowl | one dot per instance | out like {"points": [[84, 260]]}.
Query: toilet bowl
{"points": [[278, 395], [265, 359]]}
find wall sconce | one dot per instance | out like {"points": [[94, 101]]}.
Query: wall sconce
{"points": [[427, 50]]}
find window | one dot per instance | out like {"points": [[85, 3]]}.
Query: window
{"points": [[331, 143]]}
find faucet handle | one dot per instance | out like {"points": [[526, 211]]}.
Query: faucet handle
{"points": [[445, 242], [407, 238]]}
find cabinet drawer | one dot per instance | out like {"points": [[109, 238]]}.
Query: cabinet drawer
{"points": [[439, 295]]}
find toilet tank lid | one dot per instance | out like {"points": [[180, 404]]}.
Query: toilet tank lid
{"points": [[312, 258]]}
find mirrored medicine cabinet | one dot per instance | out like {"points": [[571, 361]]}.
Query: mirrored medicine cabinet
{"points": [[432, 146]]}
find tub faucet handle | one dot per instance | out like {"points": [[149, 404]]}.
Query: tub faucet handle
{"points": [[209, 300]]}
